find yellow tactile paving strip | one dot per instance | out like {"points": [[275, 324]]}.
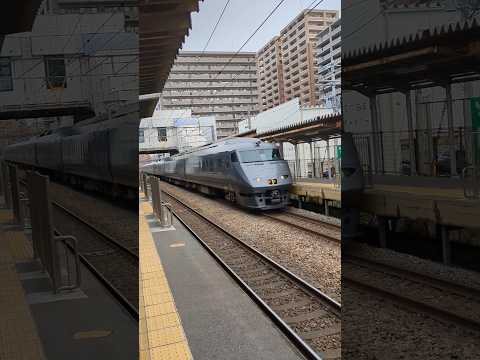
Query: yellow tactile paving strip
{"points": [[161, 336], [19, 338]]}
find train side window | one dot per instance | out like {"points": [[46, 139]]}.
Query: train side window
{"points": [[233, 157]]}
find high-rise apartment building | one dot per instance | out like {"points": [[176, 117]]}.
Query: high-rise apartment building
{"points": [[286, 65], [219, 84], [328, 59]]}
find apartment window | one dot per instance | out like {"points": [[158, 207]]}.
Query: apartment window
{"points": [[162, 134], [55, 72], [6, 83], [141, 136]]}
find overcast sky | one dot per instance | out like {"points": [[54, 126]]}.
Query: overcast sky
{"points": [[240, 20]]}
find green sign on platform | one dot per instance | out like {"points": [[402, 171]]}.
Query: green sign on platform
{"points": [[338, 152], [475, 110]]}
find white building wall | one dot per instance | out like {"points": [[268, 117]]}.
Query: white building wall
{"points": [[182, 131], [100, 67]]}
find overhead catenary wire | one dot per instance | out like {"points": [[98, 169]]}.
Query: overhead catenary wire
{"points": [[310, 8], [215, 27], [251, 36]]}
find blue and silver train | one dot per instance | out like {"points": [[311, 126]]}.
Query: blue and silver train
{"points": [[246, 171]]}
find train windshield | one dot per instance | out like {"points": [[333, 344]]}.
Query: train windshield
{"points": [[260, 155]]}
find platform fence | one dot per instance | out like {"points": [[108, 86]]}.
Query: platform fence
{"points": [[389, 153], [310, 169], [160, 207], [14, 193], [61, 264], [6, 185]]}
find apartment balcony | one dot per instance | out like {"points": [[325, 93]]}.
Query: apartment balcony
{"points": [[212, 60], [208, 94]]}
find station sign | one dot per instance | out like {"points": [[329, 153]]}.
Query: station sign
{"points": [[338, 152], [475, 112]]}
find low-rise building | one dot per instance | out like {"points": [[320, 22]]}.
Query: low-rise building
{"points": [[174, 131]]}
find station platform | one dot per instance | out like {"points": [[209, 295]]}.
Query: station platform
{"points": [[191, 308], [315, 190], [438, 200], [35, 323]]}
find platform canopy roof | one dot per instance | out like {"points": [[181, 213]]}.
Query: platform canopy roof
{"points": [[164, 24], [318, 128], [17, 16], [445, 54]]}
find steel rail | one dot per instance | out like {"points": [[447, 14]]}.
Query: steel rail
{"points": [[93, 228], [302, 346], [303, 228], [411, 275], [411, 302], [317, 221]]}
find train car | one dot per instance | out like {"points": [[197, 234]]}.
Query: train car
{"points": [[248, 172], [99, 155]]}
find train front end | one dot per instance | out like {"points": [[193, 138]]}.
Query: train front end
{"points": [[267, 178]]}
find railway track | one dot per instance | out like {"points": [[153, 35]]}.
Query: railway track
{"points": [[316, 227], [437, 298], [308, 317], [110, 261]]}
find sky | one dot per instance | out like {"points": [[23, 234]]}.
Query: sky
{"points": [[240, 20]]}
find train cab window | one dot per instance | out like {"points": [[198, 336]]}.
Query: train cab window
{"points": [[233, 157], [260, 155]]}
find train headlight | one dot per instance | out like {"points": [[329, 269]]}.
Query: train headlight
{"points": [[284, 177], [258, 179]]}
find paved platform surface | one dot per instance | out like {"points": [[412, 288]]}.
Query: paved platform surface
{"points": [[35, 323], [219, 320], [437, 201], [19, 338]]}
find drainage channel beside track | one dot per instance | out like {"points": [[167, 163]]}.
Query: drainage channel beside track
{"points": [[308, 317]]}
